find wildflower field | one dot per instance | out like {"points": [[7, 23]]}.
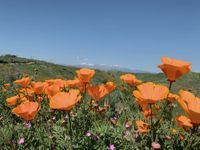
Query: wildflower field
{"points": [[81, 108]]}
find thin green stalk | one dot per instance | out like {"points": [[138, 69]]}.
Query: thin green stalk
{"points": [[84, 96], [168, 103], [170, 85], [151, 124], [70, 125], [84, 105]]}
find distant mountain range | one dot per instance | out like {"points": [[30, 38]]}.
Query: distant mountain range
{"points": [[105, 67]]}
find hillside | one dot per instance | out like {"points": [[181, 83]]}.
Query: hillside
{"points": [[13, 67]]}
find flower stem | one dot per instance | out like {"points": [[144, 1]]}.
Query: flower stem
{"points": [[70, 125], [169, 103], [170, 85], [151, 124]]}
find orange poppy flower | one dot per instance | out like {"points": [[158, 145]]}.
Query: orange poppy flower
{"points": [[191, 105], [12, 100], [184, 122], [59, 82], [65, 101], [143, 104], [24, 82], [142, 127], [24, 99], [27, 91], [172, 97], [26, 110], [83, 86], [148, 113], [39, 87], [174, 68], [7, 85], [150, 92], [52, 90], [130, 79], [50, 81], [97, 92], [85, 75], [72, 83], [110, 86]]}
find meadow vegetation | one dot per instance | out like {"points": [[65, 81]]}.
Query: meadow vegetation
{"points": [[49, 106]]}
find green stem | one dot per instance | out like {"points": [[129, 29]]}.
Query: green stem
{"points": [[84, 98], [70, 125], [170, 85], [168, 103], [151, 124], [85, 87]]}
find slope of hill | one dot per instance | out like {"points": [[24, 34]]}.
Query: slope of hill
{"points": [[13, 67]]}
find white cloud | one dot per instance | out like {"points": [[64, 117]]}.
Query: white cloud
{"points": [[87, 64], [85, 59], [83, 63], [116, 65], [90, 64]]}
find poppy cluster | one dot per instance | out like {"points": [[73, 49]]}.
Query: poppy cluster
{"points": [[62, 94], [148, 94]]}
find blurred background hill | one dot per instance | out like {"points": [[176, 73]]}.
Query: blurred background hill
{"points": [[13, 67]]}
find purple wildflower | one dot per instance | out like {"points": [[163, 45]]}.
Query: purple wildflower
{"points": [[21, 141], [53, 118], [155, 145], [128, 124], [113, 120], [66, 117], [125, 134], [98, 137], [28, 125], [88, 134], [112, 147]]}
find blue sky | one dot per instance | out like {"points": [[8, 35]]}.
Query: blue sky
{"points": [[131, 33]]}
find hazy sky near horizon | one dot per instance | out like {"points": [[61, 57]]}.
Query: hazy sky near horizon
{"points": [[131, 33]]}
